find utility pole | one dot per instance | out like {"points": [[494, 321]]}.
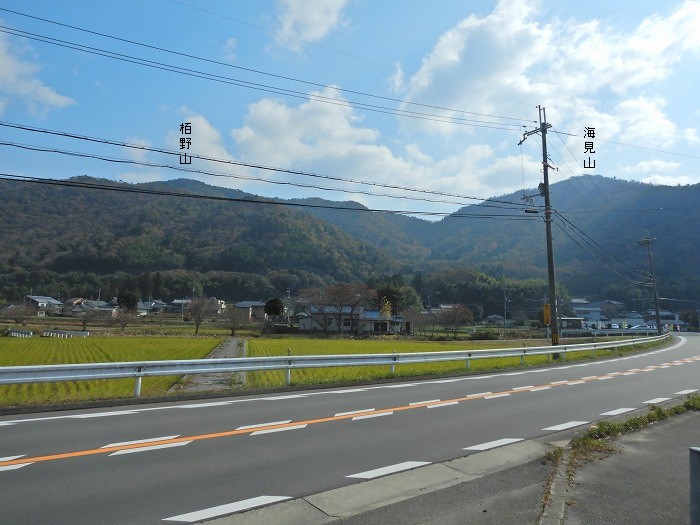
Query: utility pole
{"points": [[647, 242], [552, 294]]}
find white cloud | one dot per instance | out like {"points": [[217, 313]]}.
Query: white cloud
{"points": [[668, 180], [654, 166], [137, 154], [18, 80], [510, 59], [229, 49], [329, 139], [307, 21]]}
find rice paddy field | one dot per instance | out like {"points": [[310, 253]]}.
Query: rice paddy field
{"points": [[281, 347], [48, 351], [93, 349]]}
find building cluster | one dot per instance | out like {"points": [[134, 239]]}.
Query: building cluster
{"points": [[613, 314]]}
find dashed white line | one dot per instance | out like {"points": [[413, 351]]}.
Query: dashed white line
{"points": [[391, 469], [479, 394], [540, 388], [361, 411], [273, 423], [229, 508], [368, 416], [280, 398], [570, 383], [140, 441], [494, 444], [568, 424], [617, 411], [523, 387], [281, 429], [496, 395], [656, 400], [149, 448], [685, 392], [444, 404], [424, 402], [13, 467]]}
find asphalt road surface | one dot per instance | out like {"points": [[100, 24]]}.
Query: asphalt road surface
{"points": [[190, 461]]}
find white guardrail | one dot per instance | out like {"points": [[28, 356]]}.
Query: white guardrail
{"points": [[140, 369]]}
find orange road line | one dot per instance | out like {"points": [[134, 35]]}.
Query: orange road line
{"points": [[250, 430]]}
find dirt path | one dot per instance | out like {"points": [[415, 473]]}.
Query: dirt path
{"points": [[231, 347]]}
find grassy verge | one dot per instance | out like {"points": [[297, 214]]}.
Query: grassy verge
{"points": [[595, 443]]}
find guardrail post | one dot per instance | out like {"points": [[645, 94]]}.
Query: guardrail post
{"points": [[137, 385], [594, 351], [288, 372], [393, 365], [469, 362], [563, 355], [522, 358], [694, 485]]}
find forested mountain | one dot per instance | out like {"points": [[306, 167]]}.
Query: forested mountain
{"points": [[69, 239]]}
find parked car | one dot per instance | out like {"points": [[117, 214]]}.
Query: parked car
{"points": [[614, 326]]}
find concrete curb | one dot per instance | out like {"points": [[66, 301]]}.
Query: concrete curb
{"points": [[344, 502]]}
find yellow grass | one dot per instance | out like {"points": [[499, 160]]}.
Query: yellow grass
{"points": [[46, 351]]}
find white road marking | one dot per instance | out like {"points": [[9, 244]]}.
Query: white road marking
{"points": [[282, 429], [229, 508], [540, 388], [479, 394], [13, 467], [140, 441], [523, 387], [559, 382], [6, 423], [401, 385], [362, 410], [603, 378], [617, 412], [570, 383], [152, 447], [248, 427], [102, 414], [280, 398], [349, 391], [496, 395], [444, 404], [494, 444], [589, 377], [656, 400], [368, 416], [568, 424], [206, 405], [424, 402], [684, 392], [391, 469]]}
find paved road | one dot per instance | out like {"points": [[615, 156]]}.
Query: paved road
{"points": [[190, 461]]}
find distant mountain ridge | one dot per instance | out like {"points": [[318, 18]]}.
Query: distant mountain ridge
{"points": [[597, 225]]}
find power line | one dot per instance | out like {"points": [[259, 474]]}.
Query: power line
{"points": [[256, 71], [144, 191], [262, 87], [117, 160], [246, 164]]}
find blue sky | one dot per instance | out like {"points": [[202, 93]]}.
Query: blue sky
{"points": [[628, 68]]}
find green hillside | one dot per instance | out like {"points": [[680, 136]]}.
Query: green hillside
{"points": [[69, 240]]}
